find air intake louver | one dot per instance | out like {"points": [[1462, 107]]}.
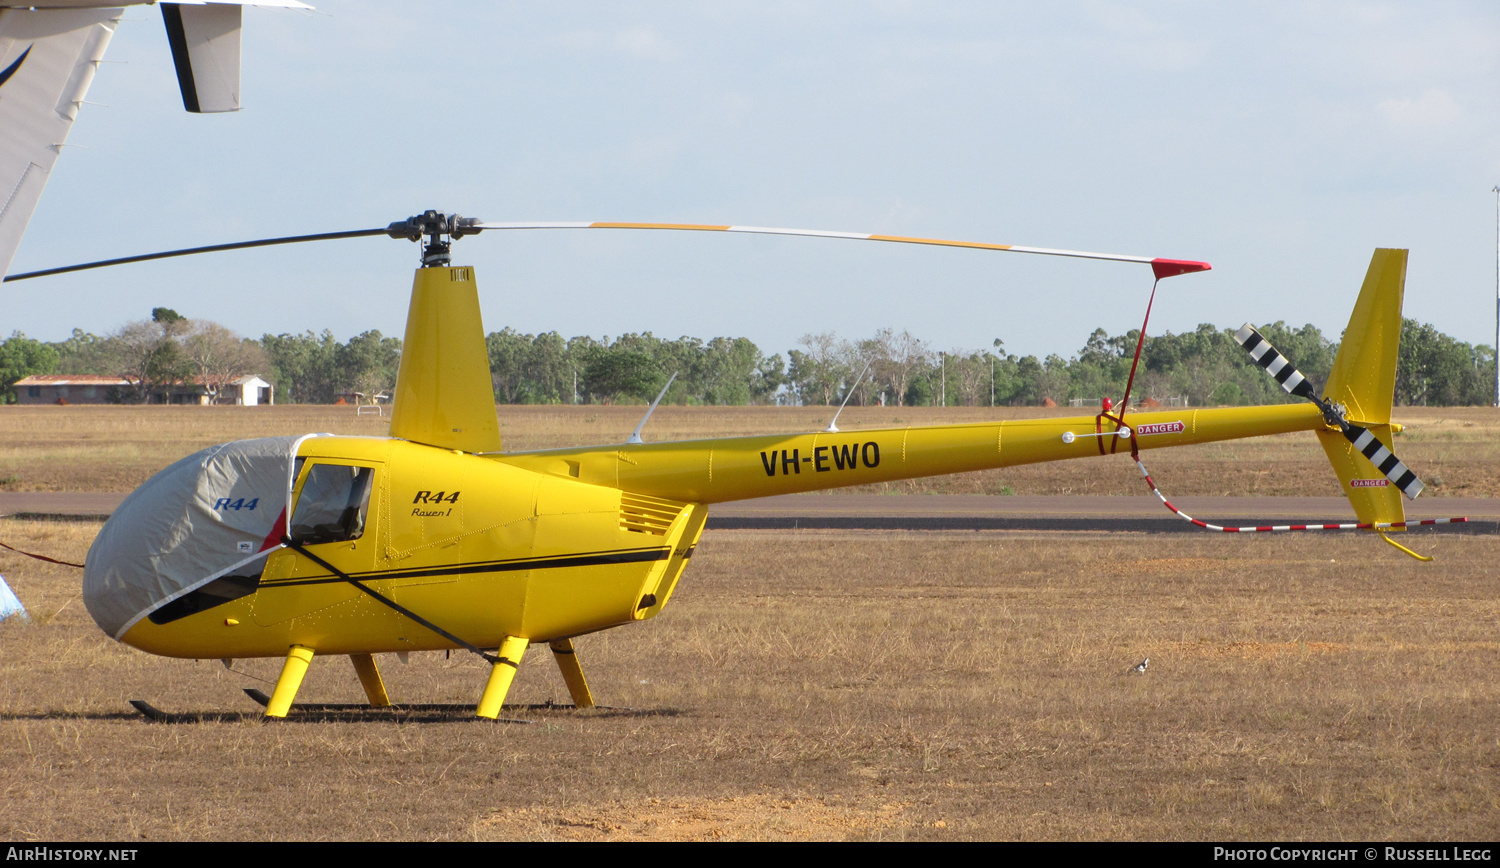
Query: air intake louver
{"points": [[643, 514]]}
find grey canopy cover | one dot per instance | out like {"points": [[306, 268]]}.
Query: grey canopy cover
{"points": [[204, 517]]}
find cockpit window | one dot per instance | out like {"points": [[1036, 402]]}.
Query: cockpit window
{"points": [[333, 504]]}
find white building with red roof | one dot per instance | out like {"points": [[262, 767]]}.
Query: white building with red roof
{"points": [[69, 388]]}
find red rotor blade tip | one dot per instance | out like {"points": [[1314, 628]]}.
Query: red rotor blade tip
{"points": [[1173, 267]]}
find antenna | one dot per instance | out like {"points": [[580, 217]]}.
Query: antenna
{"points": [[635, 436], [832, 424]]}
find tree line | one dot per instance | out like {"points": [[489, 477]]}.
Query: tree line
{"points": [[1203, 367]]}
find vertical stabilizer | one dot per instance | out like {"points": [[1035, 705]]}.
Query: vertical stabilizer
{"points": [[1374, 499], [1364, 382], [47, 61], [1364, 374], [444, 395]]}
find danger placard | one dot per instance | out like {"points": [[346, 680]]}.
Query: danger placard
{"points": [[1369, 483], [1160, 428]]}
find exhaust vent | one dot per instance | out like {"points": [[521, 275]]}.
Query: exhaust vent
{"points": [[643, 514]]}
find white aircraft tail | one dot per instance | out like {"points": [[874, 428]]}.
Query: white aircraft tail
{"points": [[47, 61], [48, 54]]}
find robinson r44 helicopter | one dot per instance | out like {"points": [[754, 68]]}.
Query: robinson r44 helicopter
{"points": [[433, 538]]}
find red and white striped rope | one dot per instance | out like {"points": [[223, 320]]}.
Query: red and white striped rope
{"points": [[1378, 525]]}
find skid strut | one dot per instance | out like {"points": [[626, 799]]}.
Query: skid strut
{"points": [[572, 673], [292, 671], [369, 679], [502, 673]]}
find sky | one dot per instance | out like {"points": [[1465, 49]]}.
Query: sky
{"points": [[1280, 142]]}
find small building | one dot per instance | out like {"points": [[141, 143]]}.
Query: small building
{"points": [[249, 391], [70, 389]]}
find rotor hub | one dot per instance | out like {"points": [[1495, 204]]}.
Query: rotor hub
{"points": [[439, 229]]}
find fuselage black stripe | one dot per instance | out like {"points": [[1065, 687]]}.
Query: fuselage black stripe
{"points": [[549, 563]]}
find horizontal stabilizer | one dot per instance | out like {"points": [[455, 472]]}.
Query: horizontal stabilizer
{"points": [[205, 44]]}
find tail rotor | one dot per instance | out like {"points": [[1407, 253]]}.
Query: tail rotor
{"points": [[1292, 380]]}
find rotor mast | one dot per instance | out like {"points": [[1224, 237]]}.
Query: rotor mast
{"points": [[444, 394], [440, 230]]}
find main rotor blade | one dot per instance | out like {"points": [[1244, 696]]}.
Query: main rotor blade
{"points": [[1161, 267], [188, 251]]}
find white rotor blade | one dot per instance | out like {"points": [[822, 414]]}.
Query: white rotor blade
{"points": [[1161, 267]]}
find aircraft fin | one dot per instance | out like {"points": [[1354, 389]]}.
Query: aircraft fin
{"points": [[1363, 381], [47, 61], [444, 394], [1364, 374]]}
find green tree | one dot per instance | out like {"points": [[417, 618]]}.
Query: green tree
{"points": [[85, 353], [21, 357], [549, 371], [368, 363], [622, 375], [509, 353], [820, 370], [1437, 370], [150, 355], [304, 367]]}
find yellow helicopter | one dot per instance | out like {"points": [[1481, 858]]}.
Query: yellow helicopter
{"points": [[433, 538]]}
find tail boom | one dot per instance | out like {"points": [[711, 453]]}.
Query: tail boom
{"points": [[721, 470]]}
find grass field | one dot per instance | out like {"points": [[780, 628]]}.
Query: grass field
{"points": [[816, 685], [808, 685], [1455, 450]]}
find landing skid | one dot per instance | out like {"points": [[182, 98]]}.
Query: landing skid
{"points": [[379, 707], [264, 699], [362, 711], [151, 712], [343, 711], [455, 708]]}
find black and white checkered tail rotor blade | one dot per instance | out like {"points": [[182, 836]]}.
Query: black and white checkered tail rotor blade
{"points": [[1384, 460], [1275, 363], [1294, 383]]}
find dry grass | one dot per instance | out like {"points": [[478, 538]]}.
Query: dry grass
{"points": [[811, 685], [1457, 451]]}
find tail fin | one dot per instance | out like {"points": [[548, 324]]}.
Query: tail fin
{"points": [[1364, 382], [444, 396]]}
